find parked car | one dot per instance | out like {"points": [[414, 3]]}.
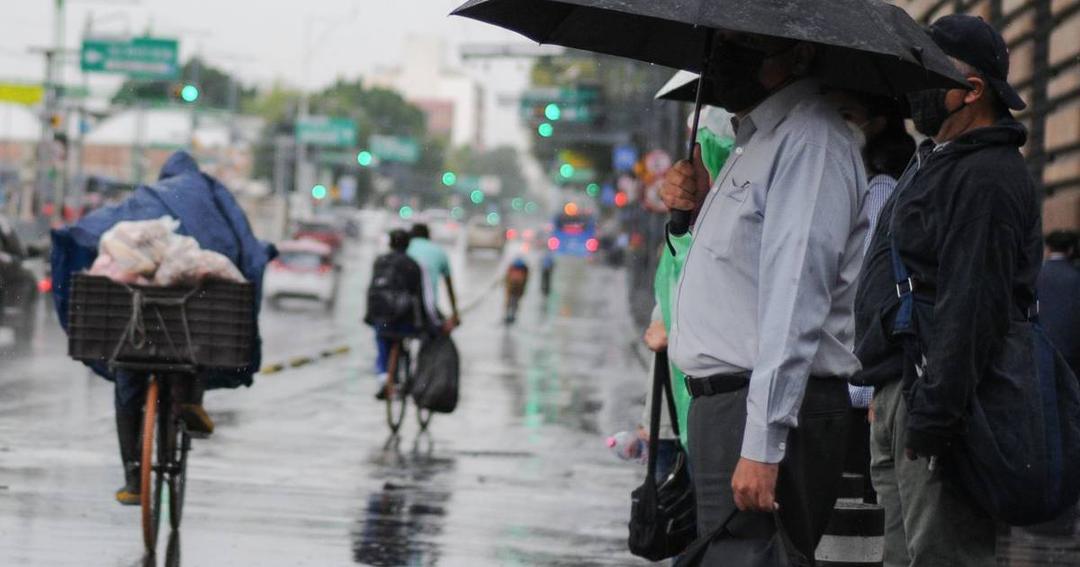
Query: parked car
{"points": [[303, 269], [18, 285], [327, 231], [481, 234]]}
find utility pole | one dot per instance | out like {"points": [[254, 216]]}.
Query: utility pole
{"points": [[46, 181]]}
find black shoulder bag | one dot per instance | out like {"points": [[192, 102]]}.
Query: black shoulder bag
{"points": [[662, 516]]}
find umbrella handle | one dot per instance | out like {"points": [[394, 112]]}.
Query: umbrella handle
{"points": [[680, 220]]}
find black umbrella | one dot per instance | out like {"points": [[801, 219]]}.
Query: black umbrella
{"points": [[683, 87], [866, 45]]}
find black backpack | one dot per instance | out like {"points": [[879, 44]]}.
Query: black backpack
{"points": [[391, 296]]}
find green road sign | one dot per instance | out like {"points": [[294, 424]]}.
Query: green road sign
{"points": [[395, 148], [138, 58], [326, 131]]}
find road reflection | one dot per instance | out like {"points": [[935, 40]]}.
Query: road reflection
{"points": [[400, 523]]}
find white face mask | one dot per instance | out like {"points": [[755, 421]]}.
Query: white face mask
{"points": [[858, 134]]}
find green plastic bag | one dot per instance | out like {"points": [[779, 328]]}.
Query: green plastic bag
{"points": [[667, 278], [715, 150]]}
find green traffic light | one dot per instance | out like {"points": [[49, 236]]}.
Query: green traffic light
{"points": [[493, 219], [566, 170], [364, 158], [449, 179], [517, 203], [545, 130], [476, 197], [592, 189], [190, 93], [318, 192], [552, 112], [405, 212]]}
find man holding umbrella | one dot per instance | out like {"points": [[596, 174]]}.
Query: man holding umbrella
{"points": [[763, 316], [763, 312]]}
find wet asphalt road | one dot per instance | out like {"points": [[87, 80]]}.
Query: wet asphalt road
{"points": [[298, 473]]}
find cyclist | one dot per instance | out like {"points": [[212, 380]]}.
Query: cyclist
{"points": [[395, 302], [517, 275], [435, 264]]}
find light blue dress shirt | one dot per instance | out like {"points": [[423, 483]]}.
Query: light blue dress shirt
{"points": [[769, 282]]}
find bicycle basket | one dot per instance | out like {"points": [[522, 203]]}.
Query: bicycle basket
{"points": [[211, 326]]}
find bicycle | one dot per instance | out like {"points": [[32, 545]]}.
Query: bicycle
{"points": [[165, 462], [399, 382]]}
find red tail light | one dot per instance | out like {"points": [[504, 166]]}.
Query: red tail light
{"points": [[592, 245], [45, 285], [553, 243], [511, 234]]}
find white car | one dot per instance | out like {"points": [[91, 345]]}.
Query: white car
{"points": [[303, 269], [481, 234]]}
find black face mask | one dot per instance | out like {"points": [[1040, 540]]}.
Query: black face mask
{"points": [[929, 112], [733, 74]]}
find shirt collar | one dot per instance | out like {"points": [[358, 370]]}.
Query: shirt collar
{"points": [[767, 115]]}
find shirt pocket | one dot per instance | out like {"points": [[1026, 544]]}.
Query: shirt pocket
{"points": [[738, 188], [734, 223]]}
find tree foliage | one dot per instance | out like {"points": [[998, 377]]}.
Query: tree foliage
{"points": [[216, 88]]}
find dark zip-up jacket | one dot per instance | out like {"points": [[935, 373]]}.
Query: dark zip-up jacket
{"points": [[968, 228]]}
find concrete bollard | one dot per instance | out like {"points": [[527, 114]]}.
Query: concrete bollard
{"points": [[855, 536]]}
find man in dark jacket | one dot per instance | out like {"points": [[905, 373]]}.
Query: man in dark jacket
{"points": [[1059, 296], [965, 218], [395, 302]]}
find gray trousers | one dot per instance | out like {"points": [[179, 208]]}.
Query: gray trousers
{"points": [[810, 474], [928, 522]]}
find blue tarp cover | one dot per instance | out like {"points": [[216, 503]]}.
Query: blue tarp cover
{"points": [[207, 212]]}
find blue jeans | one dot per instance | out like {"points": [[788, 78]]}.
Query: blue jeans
{"points": [[385, 335]]}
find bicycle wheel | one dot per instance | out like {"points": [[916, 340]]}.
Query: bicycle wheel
{"points": [[423, 417], [178, 473], [150, 496], [397, 382]]}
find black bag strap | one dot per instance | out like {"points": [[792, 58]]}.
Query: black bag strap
{"points": [[661, 386], [693, 554], [659, 377]]}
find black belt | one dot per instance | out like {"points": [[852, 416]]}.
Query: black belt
{"points": [[716, 384]]}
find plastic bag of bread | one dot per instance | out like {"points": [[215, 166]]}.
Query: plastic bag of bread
{"points": [[187, 264], [136, 248]]}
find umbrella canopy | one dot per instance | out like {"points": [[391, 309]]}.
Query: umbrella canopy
{"points": [[683, 87], [867, 45]]}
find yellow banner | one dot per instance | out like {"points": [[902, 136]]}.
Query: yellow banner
{"points": [[21, 93]]}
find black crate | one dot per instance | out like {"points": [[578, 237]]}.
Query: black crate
{"points": [[220, 320]]}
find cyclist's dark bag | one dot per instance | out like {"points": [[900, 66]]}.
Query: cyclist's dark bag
{"points": [[438, 373], [391, 297], [1019, 454], [662, 516], [211, 326]]}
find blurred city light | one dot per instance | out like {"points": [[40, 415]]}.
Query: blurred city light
{"points": [[592, 189], [493, 218], [531, 207], [566, 170], [190, 93], [517, 203], [592, 245], [511, 234], [457, 212], [553, 243], [621, 199], [405, 212], [318, 192], [545, 130], [571, 209], [552, 112], [364, 158], [477, 196], [449, 179]]}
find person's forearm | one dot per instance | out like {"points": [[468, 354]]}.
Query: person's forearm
{"points": [[453, 297]]}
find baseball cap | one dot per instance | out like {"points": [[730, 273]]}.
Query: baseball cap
{"points": [[975, 42]]}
